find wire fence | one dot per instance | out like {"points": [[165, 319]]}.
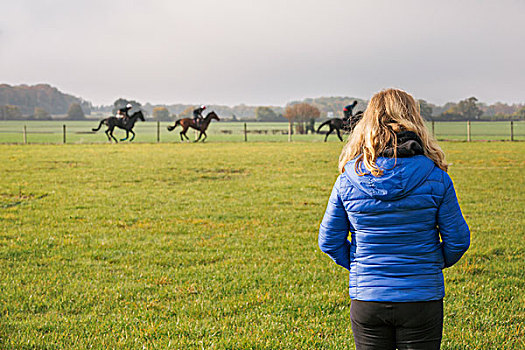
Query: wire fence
{"points": [[151, 131]]}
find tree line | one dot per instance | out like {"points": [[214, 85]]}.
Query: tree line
{"points": [[10, 112], [42, 101], [332, 107], [39, 102]]}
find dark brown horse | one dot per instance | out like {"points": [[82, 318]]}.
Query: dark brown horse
{"points": [[338, 125], [127, 125], [187, 123]]}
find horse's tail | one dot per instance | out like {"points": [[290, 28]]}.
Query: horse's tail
{"points": [[103, 121], [171, 127], [323, 124]]}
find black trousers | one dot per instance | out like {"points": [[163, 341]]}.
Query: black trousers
{"points": [[405, 326]]}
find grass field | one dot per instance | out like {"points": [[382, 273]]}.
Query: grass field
{"points": [[79, 132], [214, 246]]}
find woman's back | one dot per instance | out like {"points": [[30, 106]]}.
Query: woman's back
{"points": [[396, 253]]}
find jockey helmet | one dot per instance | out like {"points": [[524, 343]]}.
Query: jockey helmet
{"points": [[129, 105], [203, 107]]}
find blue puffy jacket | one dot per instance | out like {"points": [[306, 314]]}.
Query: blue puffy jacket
{"points": [[396, 220]]}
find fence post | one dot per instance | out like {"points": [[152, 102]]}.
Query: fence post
{"points": [[25, 134], [433, 130], [245, 133], [468, 130], [512, 130], [289, 131], [64, 132], [158, 131]]}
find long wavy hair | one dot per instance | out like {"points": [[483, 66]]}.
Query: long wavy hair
{"points": [[390, 111]]}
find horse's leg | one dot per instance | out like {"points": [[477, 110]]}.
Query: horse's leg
{"points": [[125, 138], [133, 135], [198, 138], [111, 134], [127, 135], [328, 133], [339, 135], [107, 134], [183, 132], [205, 136]]}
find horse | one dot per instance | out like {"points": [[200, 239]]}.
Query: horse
{"points": [[346, 124], [128, 125], [186, 123]]}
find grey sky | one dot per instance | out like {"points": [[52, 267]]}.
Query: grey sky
{"points": [[265, 51]]}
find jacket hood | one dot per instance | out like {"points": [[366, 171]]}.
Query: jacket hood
{"points": [[400, 176]]}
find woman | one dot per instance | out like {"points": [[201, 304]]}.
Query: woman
{"points": [[398, 204]]}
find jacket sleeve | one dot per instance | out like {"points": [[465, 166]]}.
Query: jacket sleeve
{"points": [[333, 232], [454, 231]]}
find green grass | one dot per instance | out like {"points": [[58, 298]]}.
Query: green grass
{"points": [[214, 246], [78, 132]]}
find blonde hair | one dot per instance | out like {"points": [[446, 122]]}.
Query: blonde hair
{"points": [[389, 111]]}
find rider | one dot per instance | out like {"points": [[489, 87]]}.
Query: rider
{"points": [[197, 115], [348, 110], [123, 112]]}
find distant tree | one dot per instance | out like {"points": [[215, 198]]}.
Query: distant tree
{"points": [[265, 114], [9, 112], [450, 115], [26, 98], [425, 110], [301, 113], [501, 116], [161, 114], [41, 114], [243, 111], [499, 108], [75, 112], [469, 108], [438, 110], [290, 113], [86, 107], [520, 113], [188, 112], [310, 126]]}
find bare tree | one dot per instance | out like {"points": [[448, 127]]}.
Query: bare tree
{"points": [[301, 113]]}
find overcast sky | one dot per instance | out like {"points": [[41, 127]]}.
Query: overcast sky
{"points": [[265, 52]]}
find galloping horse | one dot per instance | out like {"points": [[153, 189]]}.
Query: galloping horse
{"points": [[190, 123], [338, 124], [128, 125]]}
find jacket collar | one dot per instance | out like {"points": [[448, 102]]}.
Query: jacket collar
{"points": [[408, 145]]}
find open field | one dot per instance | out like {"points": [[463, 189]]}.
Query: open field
{"points": [[79, 132], [214, 246]]}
